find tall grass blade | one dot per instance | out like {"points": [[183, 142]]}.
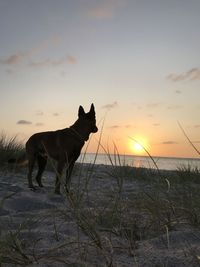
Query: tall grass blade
{"points": [[154, 162], [190, 142]]}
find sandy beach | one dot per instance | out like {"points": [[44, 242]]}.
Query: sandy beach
{"points": [[104, 221]]}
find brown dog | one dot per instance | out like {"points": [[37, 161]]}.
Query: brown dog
{"points": [[64, 146]]}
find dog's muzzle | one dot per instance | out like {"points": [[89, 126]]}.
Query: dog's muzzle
{"points": [[95, 129]]}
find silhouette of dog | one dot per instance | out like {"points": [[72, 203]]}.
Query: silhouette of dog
{"points": [[64, 146]]}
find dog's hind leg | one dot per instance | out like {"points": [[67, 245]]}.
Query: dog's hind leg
{"points": [[42, 161], [31, 163]]}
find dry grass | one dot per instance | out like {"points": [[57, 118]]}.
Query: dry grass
{"points": [[137, 205], [10, 147]]}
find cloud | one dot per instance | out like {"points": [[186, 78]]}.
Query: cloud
{"points": [[156, 124], [44, 45], [153, 105], [54, 62], [71, 59], [173, 107], [191, 75], [169, 143], [178, 92], [24, 122], [197, 126], [114, 127], [20, 57], [42, 63], [39, 113], [39, 124], [16, 59], [128, 126], [13, 59], [105, 9], [110, 106], [56, 114], [27, 57], [150, 115]]}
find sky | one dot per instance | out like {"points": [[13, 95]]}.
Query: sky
{"points": [[136, 60]]}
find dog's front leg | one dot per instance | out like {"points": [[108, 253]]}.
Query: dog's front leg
{"points": [[68, 174], [60, 167]]}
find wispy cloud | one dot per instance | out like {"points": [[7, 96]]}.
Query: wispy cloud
{"points": [[114, 127], [139, 107], [39, 124], [24, 122], [128, 126], [110, 106], [13, 59], [156, 124], [26, 58], [22, 57], [169, 143], [153, 105], [41, 63], [55, 114], [17, 59], [54, 62], [71, 59], [39, 113], [150, 115], [44, 45], [105, 9], [173, 107], [190, 75]]}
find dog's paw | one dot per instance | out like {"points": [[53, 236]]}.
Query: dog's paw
{"points": [[57, 191], [32, 188]]}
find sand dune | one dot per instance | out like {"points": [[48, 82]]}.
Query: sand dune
{"points": [[41, 228]]}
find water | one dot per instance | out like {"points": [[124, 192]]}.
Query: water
{"points": [[163, 163]]}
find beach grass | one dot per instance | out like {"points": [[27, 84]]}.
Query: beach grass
{"points": [[109, 210], [10, 147]]}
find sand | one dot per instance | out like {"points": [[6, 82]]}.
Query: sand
{"points": [[47, 232]]}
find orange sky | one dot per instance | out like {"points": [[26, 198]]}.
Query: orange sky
{"points": [[137, 61]]}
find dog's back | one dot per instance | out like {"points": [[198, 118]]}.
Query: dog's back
{"points": [[62, 145], [53, 143]]}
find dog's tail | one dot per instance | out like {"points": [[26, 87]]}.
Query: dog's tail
{"points": [[21, 161]]}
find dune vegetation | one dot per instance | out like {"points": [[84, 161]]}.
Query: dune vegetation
{"points": [[114, 215]]}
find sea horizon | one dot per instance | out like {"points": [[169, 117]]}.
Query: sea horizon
{"points": [[163, 162]]}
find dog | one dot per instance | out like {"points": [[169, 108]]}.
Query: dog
{"points": [[64, 146]]}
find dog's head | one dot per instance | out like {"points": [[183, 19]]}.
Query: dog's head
{"points": [[87, 121]]}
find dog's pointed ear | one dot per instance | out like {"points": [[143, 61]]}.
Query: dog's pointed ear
{"points": [[81, 112], [92, 110]]}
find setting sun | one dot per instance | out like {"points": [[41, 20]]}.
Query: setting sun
{"points": [[138, 145]]}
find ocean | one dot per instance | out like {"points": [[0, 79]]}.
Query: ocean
{"points": [[163, 163]]}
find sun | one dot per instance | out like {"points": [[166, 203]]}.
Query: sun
{"points": [[138, 145]]}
